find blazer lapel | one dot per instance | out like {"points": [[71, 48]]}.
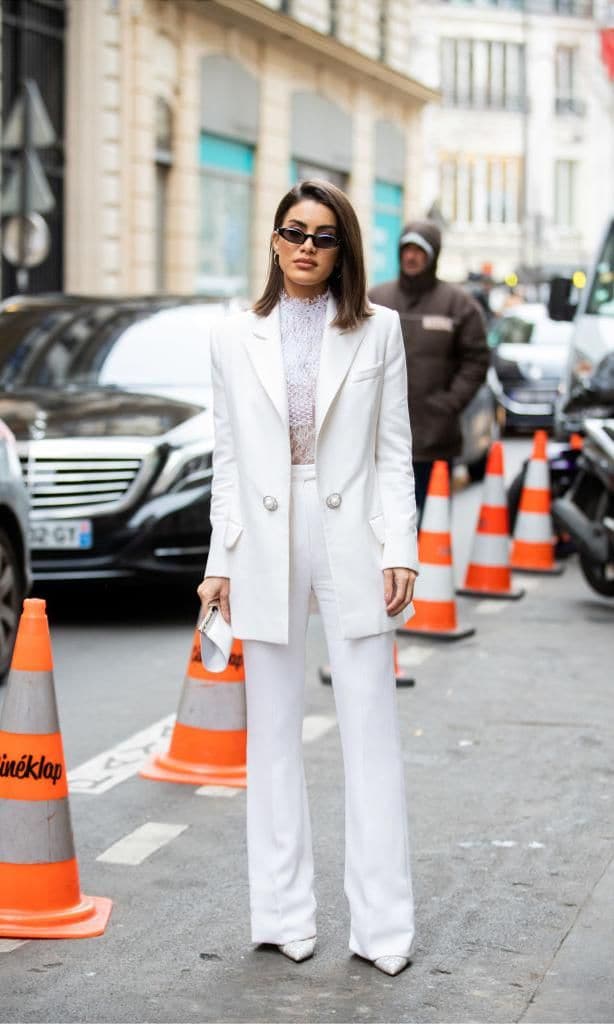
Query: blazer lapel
{"points": [[264, 348], [338, 351]]}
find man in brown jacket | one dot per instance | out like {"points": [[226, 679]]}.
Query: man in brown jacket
{"points": [[445, 345]]}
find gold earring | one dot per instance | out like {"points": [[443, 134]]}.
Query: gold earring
{"points": [[276, 258]]}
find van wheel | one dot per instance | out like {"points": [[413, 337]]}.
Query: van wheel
{"points": [[12, 592], [597, 577]]}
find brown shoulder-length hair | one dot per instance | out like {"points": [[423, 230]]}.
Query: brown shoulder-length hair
{"points": [[347, 282]]}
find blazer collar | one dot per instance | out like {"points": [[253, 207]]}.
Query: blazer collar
{"points": [[337, 353], [264, 349]]}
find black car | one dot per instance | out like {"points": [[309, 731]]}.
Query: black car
{"points": [[110, 402], [15, 575]]}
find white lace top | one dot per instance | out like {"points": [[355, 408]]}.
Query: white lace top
{"points": [[302, 323]]}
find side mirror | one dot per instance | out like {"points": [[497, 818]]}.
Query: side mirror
{"points": [[559, 306]]}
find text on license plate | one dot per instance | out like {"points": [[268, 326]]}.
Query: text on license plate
{"points": [[53, 534]]}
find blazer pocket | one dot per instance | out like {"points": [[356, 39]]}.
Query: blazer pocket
{"points": [[378, 527], [368, 373], [232, 533]]}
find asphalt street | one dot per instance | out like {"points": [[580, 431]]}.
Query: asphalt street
{"points": [[507, 739]]}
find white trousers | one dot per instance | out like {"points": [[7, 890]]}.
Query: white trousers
{"points": [[377, 869]]}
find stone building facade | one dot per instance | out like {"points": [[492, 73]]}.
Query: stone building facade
{"points": [[519, 150], [187, 121]]}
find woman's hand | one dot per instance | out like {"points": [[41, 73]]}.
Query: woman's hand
{"points": [[215, 590], [398, 588]]}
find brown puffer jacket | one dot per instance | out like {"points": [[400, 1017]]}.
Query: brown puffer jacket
{"points": [[446, 350]]}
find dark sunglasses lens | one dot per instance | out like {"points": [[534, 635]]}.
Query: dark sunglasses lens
{"points": [[325, 241], [292, 235]]}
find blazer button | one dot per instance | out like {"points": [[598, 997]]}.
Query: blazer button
{"points": [[333, 500], [270, 503]]}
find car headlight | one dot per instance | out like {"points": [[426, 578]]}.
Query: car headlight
{"points": [[190, 466], [7, 435]]}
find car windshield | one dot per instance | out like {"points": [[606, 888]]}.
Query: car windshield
{"points": [[515, 330], [601, 299], [107, 346]]}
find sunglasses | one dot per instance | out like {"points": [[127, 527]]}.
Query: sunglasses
{"points": [[296, 237]]}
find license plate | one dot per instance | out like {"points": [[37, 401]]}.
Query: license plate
{"points": [[526, 396], [67, 534]]}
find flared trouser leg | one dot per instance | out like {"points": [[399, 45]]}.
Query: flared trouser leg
{"points": [[377, 870], [279, 846], [377, 867]]}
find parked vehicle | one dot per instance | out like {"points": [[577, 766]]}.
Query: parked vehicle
{"points": [[110, 402], [480, 429], [530, 351], [586, 510], [15, 573], [593, 328]]}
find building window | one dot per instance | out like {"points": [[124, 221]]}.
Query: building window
{"points": [[164, 162], [387, 225], [480, 190], [301, 170], [566, 73], [565, 183], [226, 174], [482, 74]]}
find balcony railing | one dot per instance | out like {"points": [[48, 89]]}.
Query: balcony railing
{"points": [[569, 105], [568, 8], [511, 104]]}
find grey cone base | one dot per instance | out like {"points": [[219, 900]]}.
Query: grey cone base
{"points": [[299, 950], [327, 680], [557, 570], [491, 595], [451, 634], [391, 964]]}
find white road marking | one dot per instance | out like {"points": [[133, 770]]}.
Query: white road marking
{"points": [[410, 657], [315, 726], [490, 607], [138, 845], [8, 945], [117, 764], [218, 791]]}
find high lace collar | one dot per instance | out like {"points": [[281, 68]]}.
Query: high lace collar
{"points": [[308, 300]]}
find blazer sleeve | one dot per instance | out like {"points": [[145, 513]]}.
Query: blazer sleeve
{"points": [[224, 468], [393, 458]]}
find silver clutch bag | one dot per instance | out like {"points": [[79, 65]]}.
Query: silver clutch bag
{"points": [[215, 640]]}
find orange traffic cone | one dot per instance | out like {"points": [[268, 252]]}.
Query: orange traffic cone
{"points": [[488, 573], [209, 741], [40, 895], [434, 604], [533, 543], [399, 674], [576, 442]]}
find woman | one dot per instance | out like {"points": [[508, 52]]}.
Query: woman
{"points": [[313, 493]]}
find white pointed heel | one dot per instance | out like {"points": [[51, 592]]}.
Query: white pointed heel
{"points": [[391, 964], [299, 950]]}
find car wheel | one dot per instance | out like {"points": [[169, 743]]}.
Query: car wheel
{"points": [[12, 591], [477, 469]]}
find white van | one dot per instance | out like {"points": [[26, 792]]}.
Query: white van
{"points": [[593, 330]]}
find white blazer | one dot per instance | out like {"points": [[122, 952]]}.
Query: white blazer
{"points": [[363, 469]]}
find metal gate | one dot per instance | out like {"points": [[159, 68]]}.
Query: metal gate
{"points": [[33, 47]]}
